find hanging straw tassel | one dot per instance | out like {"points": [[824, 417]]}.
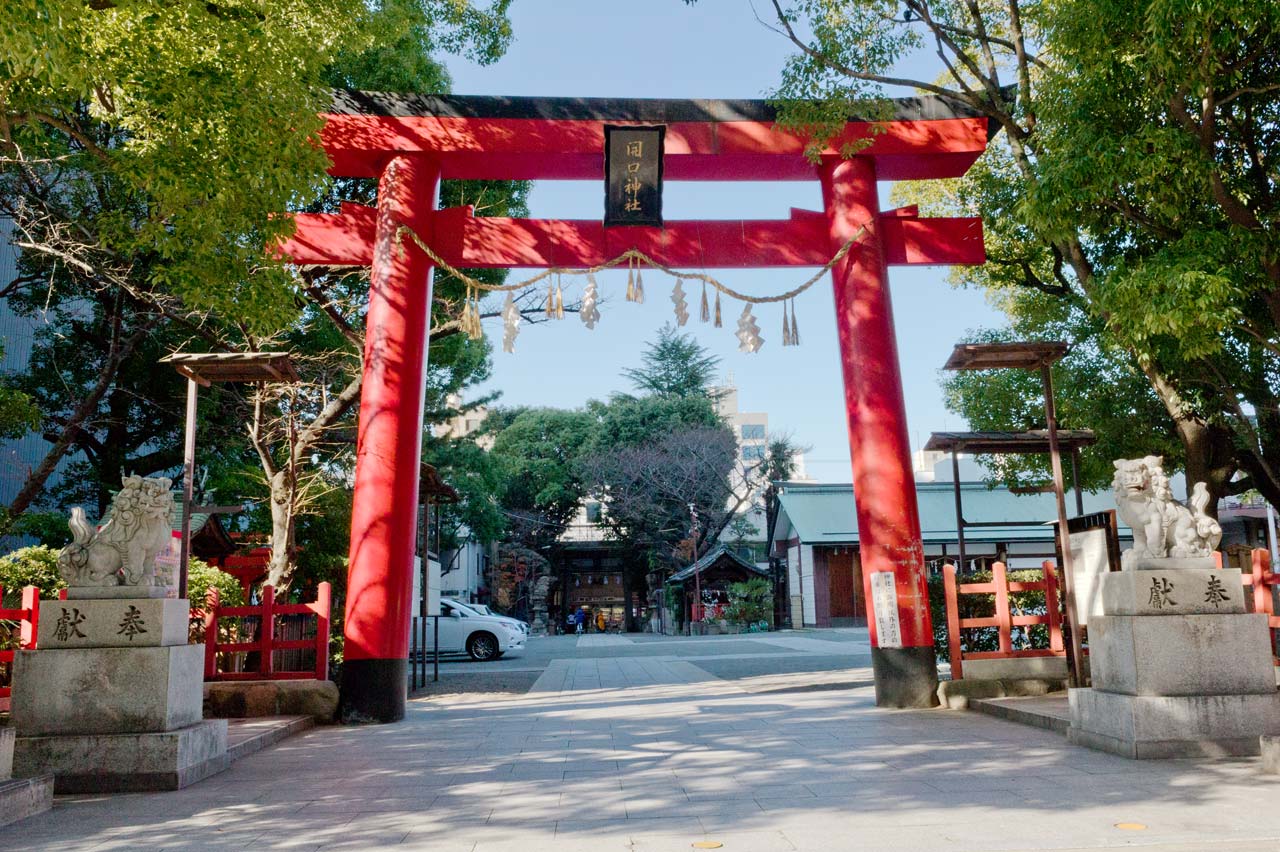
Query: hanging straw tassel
{"points": [[705, 316], [639, 286], [786, 327], [559, 300], [719, 324], [631, 281], [551, 301], [795, 331]]}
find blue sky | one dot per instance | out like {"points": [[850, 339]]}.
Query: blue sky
{"points": [[716, 49]]}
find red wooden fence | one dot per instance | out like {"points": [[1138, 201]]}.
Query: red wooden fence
{"points": [[266, 644], [1262, 580], [1004, 620], [28, 617]]}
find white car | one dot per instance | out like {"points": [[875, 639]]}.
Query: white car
{"points": [[482, 637], [484, 610]]}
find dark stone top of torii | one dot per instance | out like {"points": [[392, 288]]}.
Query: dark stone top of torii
{"points": [[353, 102]]}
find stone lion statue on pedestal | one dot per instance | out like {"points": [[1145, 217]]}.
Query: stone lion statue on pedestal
{"points": [[123, 552], [1162, 527]]}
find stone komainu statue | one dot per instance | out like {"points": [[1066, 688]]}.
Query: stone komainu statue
{"points": [[124, 551], [1162, 527]]}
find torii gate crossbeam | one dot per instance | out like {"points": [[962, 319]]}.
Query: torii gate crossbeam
{"points": [[411, 143]]}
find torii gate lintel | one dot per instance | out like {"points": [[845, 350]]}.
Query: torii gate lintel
{"points": [[412, 143]]}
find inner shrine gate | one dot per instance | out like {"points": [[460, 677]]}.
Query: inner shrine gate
{"points": [[411, 143]]}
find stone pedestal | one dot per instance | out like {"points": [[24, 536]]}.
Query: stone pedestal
{"points": [[112, 700], [1179, 668], [21, 797]]}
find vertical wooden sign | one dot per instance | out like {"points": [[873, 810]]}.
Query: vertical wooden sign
{"points": [[633, 175]]}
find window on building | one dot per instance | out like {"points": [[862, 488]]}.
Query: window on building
{"points": [[754, 452], [753, 431], [593, 512]]}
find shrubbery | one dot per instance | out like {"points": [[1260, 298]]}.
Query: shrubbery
{"points": [[30, 566], [750, 602]]}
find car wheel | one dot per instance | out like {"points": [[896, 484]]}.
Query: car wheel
{"points": [[482, 647]]}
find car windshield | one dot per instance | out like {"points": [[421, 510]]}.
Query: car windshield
{"points": [[462, 609]]}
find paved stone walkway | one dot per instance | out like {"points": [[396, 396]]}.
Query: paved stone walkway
{"points": [[759, 765]]}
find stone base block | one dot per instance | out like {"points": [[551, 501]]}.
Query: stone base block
{"points": [[1016, 668], [107, 690], [25, 797], [1270, 754], [6, 753], [110, 763], [1174, 563], [1155, 727], [83, 593], [1181, 655], [1185, 592], [242, 699], [130, 623]]}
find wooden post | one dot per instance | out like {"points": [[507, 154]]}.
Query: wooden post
{"points": [[267, 632], [188, 483], [1075, 656], [30, 626], [322, 609], [1000, 579], [1051, 606], [211, 601], [953, 620], [1262, 598]]}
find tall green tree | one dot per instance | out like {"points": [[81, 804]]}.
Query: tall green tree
{"points": [[1136, 151], [541, 485], [674, 364]]}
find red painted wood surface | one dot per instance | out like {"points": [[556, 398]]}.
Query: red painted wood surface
{"points": [[267, 644], [1262, 582], [1003, 620], [384, 513], [28, 617], [476, 242], [888, 518], [558, 149]]}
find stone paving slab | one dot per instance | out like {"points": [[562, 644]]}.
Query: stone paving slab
{"points": [[660, 765]]}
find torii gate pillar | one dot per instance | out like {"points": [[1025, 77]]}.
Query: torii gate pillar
{"points": [[384, 514], [892, 557]]}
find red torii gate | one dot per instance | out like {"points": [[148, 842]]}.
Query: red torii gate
{"points": [[410, 143]]}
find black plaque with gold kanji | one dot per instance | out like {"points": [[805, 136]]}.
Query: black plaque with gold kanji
{"points": [[633, 175]]}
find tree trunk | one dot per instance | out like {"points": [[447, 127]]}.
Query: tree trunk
{"points": [[283, 524], [1210, 453], [106, 376]]}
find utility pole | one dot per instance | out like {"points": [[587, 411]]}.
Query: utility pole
{"points": [[697, 576]]}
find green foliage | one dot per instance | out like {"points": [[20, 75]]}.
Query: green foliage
{"points": [[634, 421], [674, 364], [200, 119], [750, 602], [18, 413], [201, 577], [537, 455], [48, 528], [31, 566]]}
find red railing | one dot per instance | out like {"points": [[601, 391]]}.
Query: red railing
{"points": [[1004, 620], [266, 645], [28, 617], [1262, 580]]}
